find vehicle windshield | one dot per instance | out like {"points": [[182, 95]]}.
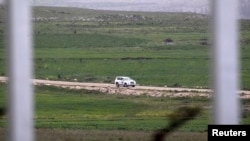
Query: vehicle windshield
{"points": [[127, 78]]}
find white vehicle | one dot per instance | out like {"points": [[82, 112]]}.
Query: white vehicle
{"points": [[124, 81]]}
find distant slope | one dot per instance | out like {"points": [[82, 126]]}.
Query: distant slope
{"points": [[195, 6], [69, 13]]}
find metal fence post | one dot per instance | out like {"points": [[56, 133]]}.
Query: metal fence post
{"points": [[19, 70], [225, 62]]}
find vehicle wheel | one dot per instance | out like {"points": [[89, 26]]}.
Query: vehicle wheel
{"points": [[133, 85], [125, 85], [117, 84]]}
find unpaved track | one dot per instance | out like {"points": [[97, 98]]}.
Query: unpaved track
{"points": [[137, 90]]}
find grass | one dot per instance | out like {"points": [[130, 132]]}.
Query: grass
{"points": [[84, 41], [94, 110], [107, 135], [81, 113], [97, 70], [94, 46]]}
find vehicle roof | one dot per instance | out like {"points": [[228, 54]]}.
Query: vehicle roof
{"points": [[123, 76]]}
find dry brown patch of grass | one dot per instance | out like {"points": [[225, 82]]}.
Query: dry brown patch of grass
{"points": [[107, 135]]}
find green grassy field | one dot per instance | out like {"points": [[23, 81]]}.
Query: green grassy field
{"points": [[75, 113], [164, 49], [94, 110], [58, 110], [161, 49]]}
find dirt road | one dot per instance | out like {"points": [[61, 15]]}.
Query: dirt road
{"points": [[137, 90]]}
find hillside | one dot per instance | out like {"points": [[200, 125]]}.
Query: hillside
{"points": [[84, 45], [194, 6], [83, 14]]}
